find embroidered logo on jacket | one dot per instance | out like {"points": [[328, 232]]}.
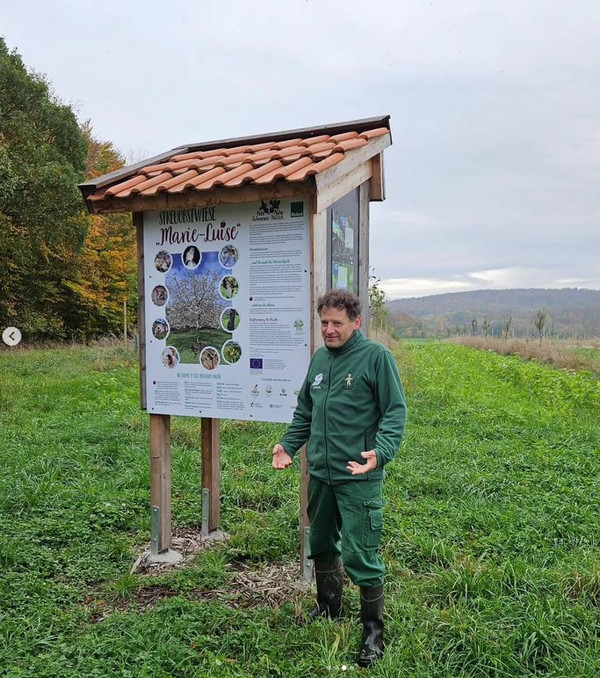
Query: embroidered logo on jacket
{"points": [[348, 381], [317, 380]]}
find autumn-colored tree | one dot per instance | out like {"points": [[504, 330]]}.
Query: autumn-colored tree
{"points": [[106, 266], [66, 274]]}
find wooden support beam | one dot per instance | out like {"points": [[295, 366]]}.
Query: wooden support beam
{"points": [[363, 254], [319, 282], [319, 272], [138, 222], [211, 464], [190, 198], [160, 475], [351, 161], [377, 182], [343, 186]]}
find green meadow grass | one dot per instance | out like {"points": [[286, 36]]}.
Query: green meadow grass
{"points": [[492, 533]]}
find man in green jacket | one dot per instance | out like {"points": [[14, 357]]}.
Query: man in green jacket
{"points": [[351, 411]]}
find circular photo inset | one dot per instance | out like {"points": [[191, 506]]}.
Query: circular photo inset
{"points": [[231, 351], [228, 256], [160, 328], [229, 287], [230, 319], [209, 358], [163, 261], [160, 295], [191, 256], [170, 357]]}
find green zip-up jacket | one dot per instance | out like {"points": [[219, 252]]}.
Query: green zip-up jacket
{"points": [[351, 401]]}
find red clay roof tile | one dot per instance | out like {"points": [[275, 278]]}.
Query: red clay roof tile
{"points": [[371, 133], [349, 144], [344, 135], [236, 162], [284, 171], [154, 181], [170, 183], [222, 179], [125, 185], [315, 168], [201, 179]]}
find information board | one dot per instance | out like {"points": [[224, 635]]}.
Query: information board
{"points": [[343, 224], [227, 309]]}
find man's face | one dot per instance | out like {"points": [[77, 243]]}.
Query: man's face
{"points": [[336, 326]]}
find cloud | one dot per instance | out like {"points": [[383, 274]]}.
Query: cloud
{"points": [[400, 288], [492, 178], [493, 279]]}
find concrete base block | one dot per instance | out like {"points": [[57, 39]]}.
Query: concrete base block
{"points": [[169, 557]]}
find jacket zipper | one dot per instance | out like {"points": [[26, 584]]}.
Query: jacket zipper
{"points": [[325, 419]]}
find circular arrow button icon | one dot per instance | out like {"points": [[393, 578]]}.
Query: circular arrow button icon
{"points": [[11, 336]]}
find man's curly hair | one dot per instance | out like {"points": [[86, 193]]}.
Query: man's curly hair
{"points": [[342, 301]]}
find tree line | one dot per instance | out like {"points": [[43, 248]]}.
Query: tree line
{"points": [[562, 314], [66, 274]]}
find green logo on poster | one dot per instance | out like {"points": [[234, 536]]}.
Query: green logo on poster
{"points": [[297, 209]]}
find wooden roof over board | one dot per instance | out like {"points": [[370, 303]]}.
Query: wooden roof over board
{"points": [[321, 160]]}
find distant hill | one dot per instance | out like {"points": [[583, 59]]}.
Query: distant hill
{"points": [[570, 313]]}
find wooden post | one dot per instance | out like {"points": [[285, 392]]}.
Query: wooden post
{"points": [[211, 464], [160, 475], [319, 283], [363, 254], [138, 222]]}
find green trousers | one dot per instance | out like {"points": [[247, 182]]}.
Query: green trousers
{"points": [[346, 519]]}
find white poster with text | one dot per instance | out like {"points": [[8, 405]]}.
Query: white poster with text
{"points": [[227, 306]]}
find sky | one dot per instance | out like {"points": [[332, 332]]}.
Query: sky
{"points": [[493, 176]]}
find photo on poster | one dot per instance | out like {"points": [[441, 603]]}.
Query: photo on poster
{"points": [[230, 319], [159, 295], [160, 329], [231, 351], [170, 357], [191, 257], [228, 256], [195, 307], [163, 261], [229, 287]]}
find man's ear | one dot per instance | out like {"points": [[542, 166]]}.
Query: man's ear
{"points": [[357, 322]]}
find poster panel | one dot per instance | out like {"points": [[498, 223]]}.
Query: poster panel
{"points": [[227, 291], [343, 221]]}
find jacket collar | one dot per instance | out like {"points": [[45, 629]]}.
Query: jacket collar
{"points": [[355, 338]]}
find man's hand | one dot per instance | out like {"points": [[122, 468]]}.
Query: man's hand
{"points": [[357, 469], [281, 459]]}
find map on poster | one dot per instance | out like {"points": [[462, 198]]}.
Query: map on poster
{"points": [[227, 309]]}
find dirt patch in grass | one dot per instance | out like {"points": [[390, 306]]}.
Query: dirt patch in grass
{"points": [[251, 585]]}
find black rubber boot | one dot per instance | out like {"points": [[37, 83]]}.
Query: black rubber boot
{"points": [[371, 616], [329, 576]]}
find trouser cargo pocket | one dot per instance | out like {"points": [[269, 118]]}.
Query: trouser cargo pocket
{"points": [[372, 523]]}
